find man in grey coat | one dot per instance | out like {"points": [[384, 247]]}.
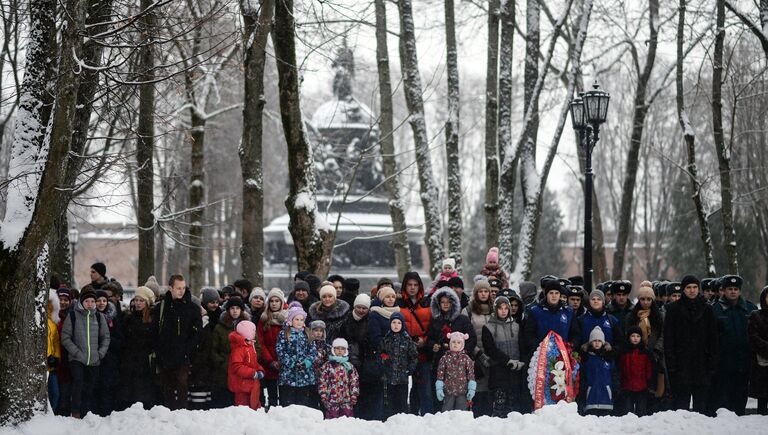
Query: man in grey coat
{"points": [[86, 337]]}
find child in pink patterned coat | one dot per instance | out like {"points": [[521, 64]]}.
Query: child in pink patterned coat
{"points": [[339, 384], [456, 384]]}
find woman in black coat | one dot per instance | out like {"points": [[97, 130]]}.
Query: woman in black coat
{"points": [[136, 372], [757, 331]]}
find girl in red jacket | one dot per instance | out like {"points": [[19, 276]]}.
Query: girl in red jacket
{"points": [[636, 373], [268, 329], [244, 370]]}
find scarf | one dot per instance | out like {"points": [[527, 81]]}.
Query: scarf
{"points": [[343, 360], [385, 312], [644, 323], [356, 317]]}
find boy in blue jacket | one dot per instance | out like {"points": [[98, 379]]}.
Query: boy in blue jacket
{"points": [[599, 370]]}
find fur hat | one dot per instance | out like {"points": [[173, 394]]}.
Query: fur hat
{"points": [[621, 287], [328, 290], [317, 324], [596, 334], [246, 329], [674, 287], [449, 262], [688, 280], [53, 299], [384, 291], [495, 282], [362, 300], [208, 295], [276, 293], [295, 309], [457, 337], [492, 255], [550, 282], [257, 292], [731, 281], [153, 285], [146, 293], [100, 268]]}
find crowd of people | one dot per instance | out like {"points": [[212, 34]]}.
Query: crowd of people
{"points": [[406, 347]]}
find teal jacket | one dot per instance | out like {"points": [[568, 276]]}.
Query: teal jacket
{"points": [[734, 354]]}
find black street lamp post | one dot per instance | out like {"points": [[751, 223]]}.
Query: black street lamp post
{"points": [[73, 235], [588, 111]]}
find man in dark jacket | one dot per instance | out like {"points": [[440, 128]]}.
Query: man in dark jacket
{"points": [[176, 324], [732, 378], [620, 306], [690, 347], [551, 314]]}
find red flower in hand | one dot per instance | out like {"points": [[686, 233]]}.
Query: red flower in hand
{"points": [[446, 330], [384, 356]]}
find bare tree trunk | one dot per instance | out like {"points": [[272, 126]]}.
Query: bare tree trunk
{"points": [[452, 138], [531, 73], [760, 31], [145, 188], [312, 236], [196, 194], [491, 127], [413, 97], [638, 121], [690, 138], [723, 153], [509, 174], [387, 143], [26, 226], [258, 24]]}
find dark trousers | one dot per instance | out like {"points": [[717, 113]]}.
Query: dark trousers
{"points": [[481, 403], [370, 404], [635, 402], [83, 380], [682, 394], [296, 395], [175, 387], [731, 394], [504, 402], [221, 397], [762, 406], [53, 390], [65, 399], [397, 397], [272, 398]]}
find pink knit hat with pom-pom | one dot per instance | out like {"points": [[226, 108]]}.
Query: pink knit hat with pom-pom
{"points": [[493, 255]]}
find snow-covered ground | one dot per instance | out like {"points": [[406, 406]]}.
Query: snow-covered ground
{"points": [[558, 419]]}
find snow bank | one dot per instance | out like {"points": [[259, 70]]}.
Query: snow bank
{"points": [[558, 419]]}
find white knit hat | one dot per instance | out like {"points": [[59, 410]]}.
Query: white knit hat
{"points": [[363, 300], [327, 289], [449, 262]]}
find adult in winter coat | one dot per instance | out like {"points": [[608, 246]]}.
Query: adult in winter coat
{"points": [[447, 318], [301, 294], [501, 343], [597, 315], [268, 330], [257, 302], [234, 311], [757, 331], [136, 372], [243, 368], [351, 289], [176, 324], [647, 316], [479, 311], [296, 353], [732, 378], [54, 348], [363, 358], [330, 310], [415, 306], [86, 337], [550, 314], [690, 347], [379, 324], [201, 376], [108, 379]]}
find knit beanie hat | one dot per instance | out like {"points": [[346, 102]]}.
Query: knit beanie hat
{"points": [[500, 300], [276, 293], [100, 268], [634, 330], [246, 329], [234, 302], [300, 285], [645, 291], [317, 324], [328, 290], [86, 295], [64, 292], [599, 294], [101, 294], [295, 309], [399, 316], [493, 255], [257, 292], [596, 334], [482, 284], [385, 291], [208, 295], [687, 280], [146, 294], [457, 337], [449, 262], [153, 285], [362, 300]]}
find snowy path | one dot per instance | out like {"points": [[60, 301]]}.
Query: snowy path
{"points": [[560, 419]]}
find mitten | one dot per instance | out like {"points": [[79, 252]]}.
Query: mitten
{"points": [[52, 361], [439, 385], [471, 387], [258, 375], [308, 363]]}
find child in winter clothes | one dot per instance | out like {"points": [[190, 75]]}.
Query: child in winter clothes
{"points": [[456, 384], [54, 348], [636, 373], [599, 370], [501, 342], [323, 349], [296, 353], [399, 355], [492, 268], [339, 384], [244, 370], [449, 271]]}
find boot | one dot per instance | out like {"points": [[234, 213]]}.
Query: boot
{"points": [[76, 415]]}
